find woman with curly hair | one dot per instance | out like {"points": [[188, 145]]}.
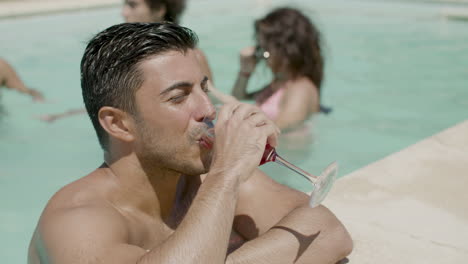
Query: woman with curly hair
{"points": [[291, 46]]}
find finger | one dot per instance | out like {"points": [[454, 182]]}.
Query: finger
{"points": [[243, 112], [278, 130], [273, 140], [270, 133], [261, 113], [267, 126], [226, 111], [257, 119]]}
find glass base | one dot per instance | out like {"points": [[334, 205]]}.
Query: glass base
{"points": [[323, 184]]}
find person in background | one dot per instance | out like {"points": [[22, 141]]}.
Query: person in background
{"points": [[153, 10], [10, 79], [164, 193], [158, 11], [149, 11], [291, 46]]}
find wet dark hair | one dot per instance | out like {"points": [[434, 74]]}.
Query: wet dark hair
{"points": [[174, 8], [294, 42], [110, 74]]}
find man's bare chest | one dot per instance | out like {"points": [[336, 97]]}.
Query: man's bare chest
{"points": [[151, 233]]}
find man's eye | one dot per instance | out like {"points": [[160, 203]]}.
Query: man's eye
{"points": [[177, 98]]}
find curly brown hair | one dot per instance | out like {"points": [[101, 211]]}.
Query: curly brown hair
{"points": [[174, 8], [294, 42]]}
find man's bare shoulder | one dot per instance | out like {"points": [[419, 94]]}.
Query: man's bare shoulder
{"points": [[83, 201], [63, 224], [75, 216], [83, 234], [87, 191]]}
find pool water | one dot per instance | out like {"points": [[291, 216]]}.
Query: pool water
{"points": [[396, 73]]}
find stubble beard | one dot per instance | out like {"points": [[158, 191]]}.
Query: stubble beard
{"points": [[156, 153]]}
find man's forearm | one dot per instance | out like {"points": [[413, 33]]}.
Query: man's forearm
{"points": [[203, 235], [298, 238]]}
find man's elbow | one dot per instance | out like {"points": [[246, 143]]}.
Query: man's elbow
{"points": [[343, 245], [338, 242]]}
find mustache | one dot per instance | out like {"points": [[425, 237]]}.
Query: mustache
{"points": [[198, 131]]}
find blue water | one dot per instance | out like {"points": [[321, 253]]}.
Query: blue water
{"points": [[396, 73]]}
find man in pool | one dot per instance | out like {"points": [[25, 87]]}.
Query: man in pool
{"points": [[162, 194]]}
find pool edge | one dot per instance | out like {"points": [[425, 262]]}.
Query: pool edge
{"points": [[410, 206], [22, 9]]}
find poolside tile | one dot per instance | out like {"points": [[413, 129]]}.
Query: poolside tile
{"points": [[409, 207]]}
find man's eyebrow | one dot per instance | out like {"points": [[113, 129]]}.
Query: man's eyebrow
{"points": [[176, 86]]}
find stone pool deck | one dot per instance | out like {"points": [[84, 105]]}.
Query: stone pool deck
{"points": [[455, 13], [410, 207], [22, 8]]}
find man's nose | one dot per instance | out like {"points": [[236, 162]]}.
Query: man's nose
{"points": [[212, 112], [206, 109]]}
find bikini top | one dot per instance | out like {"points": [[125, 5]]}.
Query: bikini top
{"points": [[271, 105]]}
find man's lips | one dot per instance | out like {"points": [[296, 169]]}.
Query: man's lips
{"points": [[206, 142]]}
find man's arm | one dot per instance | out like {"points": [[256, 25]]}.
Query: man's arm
{"points": [[282, 228], [101, 234], [87, 234]]}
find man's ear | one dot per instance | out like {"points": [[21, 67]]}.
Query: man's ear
{"points": [[117, 123]]}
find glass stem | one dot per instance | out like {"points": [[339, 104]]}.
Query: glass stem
{"points": [[296, 169]]}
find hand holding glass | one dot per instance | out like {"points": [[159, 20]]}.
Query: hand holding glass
{"points": [[321, 184]]}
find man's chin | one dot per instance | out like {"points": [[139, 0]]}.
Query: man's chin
{"points": [[206, 157]]}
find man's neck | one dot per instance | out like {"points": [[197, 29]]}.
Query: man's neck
{"points": [[151, 192]]}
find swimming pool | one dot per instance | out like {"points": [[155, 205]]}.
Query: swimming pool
{"points": [[396, 73]]}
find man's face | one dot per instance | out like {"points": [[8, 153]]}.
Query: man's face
{"points": [[171, 105], [139, 11]]}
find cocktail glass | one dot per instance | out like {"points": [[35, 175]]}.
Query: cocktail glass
{"points": [[321, 184]]}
